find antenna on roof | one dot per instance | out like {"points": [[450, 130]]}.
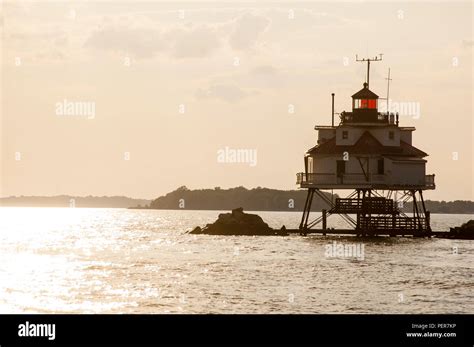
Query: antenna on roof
{"points": [[368, 60]]}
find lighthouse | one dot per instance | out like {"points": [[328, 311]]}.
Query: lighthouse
{"points": [[370, 155]]}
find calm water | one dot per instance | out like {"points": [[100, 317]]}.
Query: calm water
{"points": [[136, 261]]}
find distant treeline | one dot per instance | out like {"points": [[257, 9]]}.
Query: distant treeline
{"points": [[265, 199], [257, 199], [456, 206]]}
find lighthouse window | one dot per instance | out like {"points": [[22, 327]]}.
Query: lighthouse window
{"points": [[345, 135], [391, 135], [380, 167]]}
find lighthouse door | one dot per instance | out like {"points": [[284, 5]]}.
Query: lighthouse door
{"points": [[341, 170]]}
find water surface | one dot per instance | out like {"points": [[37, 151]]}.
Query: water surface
{"points": [[61, 260]]}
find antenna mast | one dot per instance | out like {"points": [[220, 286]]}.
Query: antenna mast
{"points": [[368, 60], [388, 88]]}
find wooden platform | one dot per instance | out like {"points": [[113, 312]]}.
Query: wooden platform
{"points": [[389, 233]]}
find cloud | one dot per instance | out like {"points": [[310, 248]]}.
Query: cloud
{"points": [[198, 42], [147, 38], [264, 77], [226, 92], [139, 42], [61, 41], [247, 31], [468, 43], [264, 70], [182, 42]]}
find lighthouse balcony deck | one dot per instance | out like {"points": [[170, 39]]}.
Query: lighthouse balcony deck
{"points": [[356, 180], [374, 205]]}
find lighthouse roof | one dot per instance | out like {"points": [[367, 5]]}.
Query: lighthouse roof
{"points": [[369, 145], [365, 93]]}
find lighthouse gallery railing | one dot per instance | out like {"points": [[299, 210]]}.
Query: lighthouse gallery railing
{"points": [[330, 178]]}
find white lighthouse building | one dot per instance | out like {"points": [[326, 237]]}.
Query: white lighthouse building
{"points": [[372, 155]]}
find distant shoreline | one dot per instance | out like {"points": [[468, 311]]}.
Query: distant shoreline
{"points": [[298, 211], [178, 209], [217, 199], [68, 201]]}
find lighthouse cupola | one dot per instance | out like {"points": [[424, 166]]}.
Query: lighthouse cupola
{"points": [[364, 105]]}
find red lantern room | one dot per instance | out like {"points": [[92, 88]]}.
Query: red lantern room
{"points": [[364, 105]]}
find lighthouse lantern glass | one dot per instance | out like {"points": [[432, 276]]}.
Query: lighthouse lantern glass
{"points": [[365, 103]]}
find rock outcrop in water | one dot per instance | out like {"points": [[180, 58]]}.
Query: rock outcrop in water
{"points": [[465, 231], [238, 223]]}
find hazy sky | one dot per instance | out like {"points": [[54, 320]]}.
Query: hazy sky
{"points": [[171, 84]]}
